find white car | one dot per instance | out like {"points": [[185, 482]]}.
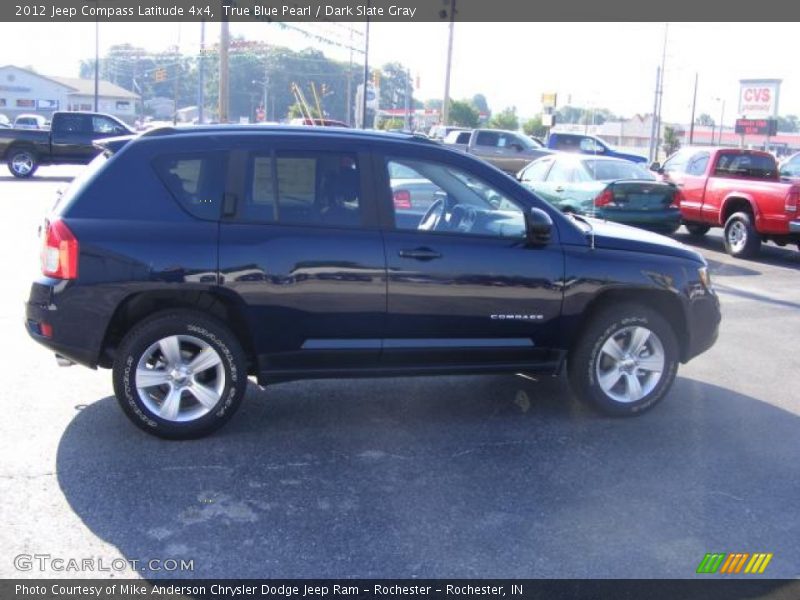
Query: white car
{"points": [[31, 122]]}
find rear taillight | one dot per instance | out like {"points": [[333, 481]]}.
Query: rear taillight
{"points": [[60, 251], [605, 198], [402, 199], [676, 199], [792, 199]]}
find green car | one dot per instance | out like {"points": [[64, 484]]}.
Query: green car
{"points": [[607, 188]]}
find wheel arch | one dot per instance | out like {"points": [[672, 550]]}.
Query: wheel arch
{"points": [[667, 304], [737, 202], [225, 306]]}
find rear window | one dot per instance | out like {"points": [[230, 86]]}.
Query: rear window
{"points": [[609, 170], [80, 182], [196, 181], [746, 165]]}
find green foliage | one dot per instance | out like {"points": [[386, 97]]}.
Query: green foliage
{"points": [[505, 119], [479, 102], [584, 116], [705, 120], [395, 84], [534, 127], [391, 124], [463, 113], [788, 124], [672, 142]]}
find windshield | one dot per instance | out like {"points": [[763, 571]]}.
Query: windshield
{"points": [[610, 170]]}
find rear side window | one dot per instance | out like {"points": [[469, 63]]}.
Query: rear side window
{"points": [[746, 165], [71, 124], [303, 188], [487, 138], [196, 181]]}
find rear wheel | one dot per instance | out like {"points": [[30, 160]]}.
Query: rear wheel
{"points": [[180, 375], [625, 361], [22, 162], [741, 238], [697, 229]]}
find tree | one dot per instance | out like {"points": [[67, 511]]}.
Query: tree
{"points": [[479, 102], [433, 104], [505, 119], [705, 120], [672, 142], [534, 127], [395, 84], [788, 124], [463, 113]]}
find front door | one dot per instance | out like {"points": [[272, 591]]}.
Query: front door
{"points": [[464, 287]]}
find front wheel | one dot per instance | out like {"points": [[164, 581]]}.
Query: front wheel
{"points": [[741, 238], [625, 361], [180, 375], [22, 163]]}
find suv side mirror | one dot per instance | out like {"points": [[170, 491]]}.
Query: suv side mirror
{"points": [[538, 227], [656, 166]]}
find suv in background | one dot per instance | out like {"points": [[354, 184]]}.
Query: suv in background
{"points": [[188, 260], [587, 144], [439, 132]]}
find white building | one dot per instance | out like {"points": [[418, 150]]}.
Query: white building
{"points": [[23, 91]]}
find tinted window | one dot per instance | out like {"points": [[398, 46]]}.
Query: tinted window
{"points": [[466, 204], [487, 138], [745, 165], [792, 167], [463, 137], [196, 181], [302, 188], [72, 124], [567, 143], [536, 170], [609, 170], [697, 164]]}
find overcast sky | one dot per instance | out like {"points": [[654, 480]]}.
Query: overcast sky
{"points": [[611, 65]]}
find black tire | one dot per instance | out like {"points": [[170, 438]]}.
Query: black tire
{"points": [[17, 157], [196, 330], [697, 229], [587, 359], [740, 236]]}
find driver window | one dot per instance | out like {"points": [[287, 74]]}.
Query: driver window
{"points": [[429, 196], [589, 145]]}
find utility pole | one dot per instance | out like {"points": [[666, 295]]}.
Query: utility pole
{"points": [[661, 87], [694, 104], [201, 79], [97, 61], [349, 102], [407, 102], [654, 124], [224, 41], [446, 100], [366, 73]]}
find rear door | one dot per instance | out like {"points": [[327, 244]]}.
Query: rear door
{"points": [[70, 138], [300, 246]]}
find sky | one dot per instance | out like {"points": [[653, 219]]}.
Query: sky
{"points": [[603, 65]]}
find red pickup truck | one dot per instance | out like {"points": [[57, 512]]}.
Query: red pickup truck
{"points": [[739, 190]]}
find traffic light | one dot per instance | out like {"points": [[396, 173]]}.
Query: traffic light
{"points": [[376, 78], [160, 75]]}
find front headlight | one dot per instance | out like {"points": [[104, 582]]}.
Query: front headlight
{"points": [[705, 277]]}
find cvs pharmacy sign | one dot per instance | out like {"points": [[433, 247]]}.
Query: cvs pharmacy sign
{"points": [[759, 97]]}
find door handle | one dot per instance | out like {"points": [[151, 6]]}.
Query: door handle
{"points": [[559, 189], [420, 254]]}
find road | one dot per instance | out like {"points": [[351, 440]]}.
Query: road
{"points": [[491, 476]]}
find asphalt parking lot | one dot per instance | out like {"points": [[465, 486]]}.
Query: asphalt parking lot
{"points": [[492, 476]]}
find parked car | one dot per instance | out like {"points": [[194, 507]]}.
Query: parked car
{"points": [[790, 168], [31, 122], [412, 194], [439, 132], [189, 259], [509, 151], [608, 188], [69, 141], [739, 190], [4, 122], [588, 144]]}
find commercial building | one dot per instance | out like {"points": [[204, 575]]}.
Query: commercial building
{"points": [[25, 92]]}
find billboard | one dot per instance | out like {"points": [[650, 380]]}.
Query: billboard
{"points": [[768, 127], [758, 98]]}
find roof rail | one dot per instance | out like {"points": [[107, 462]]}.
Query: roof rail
{"points": [[249, 128]]}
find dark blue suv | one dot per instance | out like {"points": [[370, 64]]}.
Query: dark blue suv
{"points": [[190, 260]]}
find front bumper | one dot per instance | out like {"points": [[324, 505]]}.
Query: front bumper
{"points": [[704, 318]]}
